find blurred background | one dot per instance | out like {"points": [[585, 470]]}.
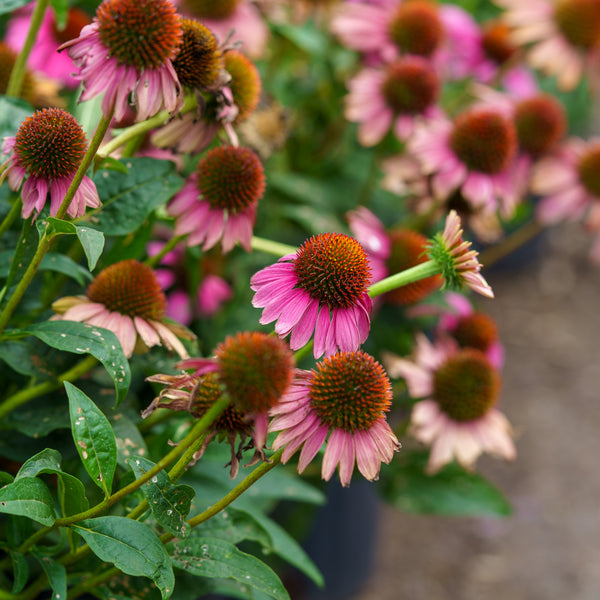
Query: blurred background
{"points": [[546, 308]]}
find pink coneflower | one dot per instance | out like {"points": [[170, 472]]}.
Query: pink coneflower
{"points": [[47, 150], [44, 56], [389, 28], [394, 96], [564, 36], [321, 289], [458, 263], [127, 53], [343, 401], [458, 418], [470, 328], [473, 154], [219, 200], [126, 298], [254, 369], [569, 182], [233, 20], [391, 252], [213, 292]]}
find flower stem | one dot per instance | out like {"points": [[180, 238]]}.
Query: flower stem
{"points": [[85, 164], [24, 396], [510, 243], [144, 127], [46, 240], [152, 261], [17, 75], [270, 247], [416, 273], [235, 493]]}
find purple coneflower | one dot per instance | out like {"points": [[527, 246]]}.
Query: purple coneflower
{"points": [[321, 289], [395, 96], [47, 151], [343, 401], [219, 199], [458, 417], [126, 298], [473, 154], [127, 53]]}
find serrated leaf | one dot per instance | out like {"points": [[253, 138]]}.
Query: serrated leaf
{"points": [[452, 491], [56, 574], [212, 557], [131, 546], [94, 438], [82, 338], [71, 492], [61, 263], [128, 198], [170, 503], [20, 571], [28, 497]]}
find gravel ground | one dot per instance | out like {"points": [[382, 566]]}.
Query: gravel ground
{"points": [[546, 308]]}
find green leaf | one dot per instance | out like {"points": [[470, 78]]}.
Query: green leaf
{"points": [[170, 503], [71, 492], [24, 253], [91, 240], [28, 497], [7, 6], [57, 576], [233, 526], [286, 547], [61, 10], [212, 557], [82, 338], [61, 263], [17, 355], [131, 546], [130, 441], [13, 111], [128, 199], [47, 460], [94, 438], [452, 491], [20, 571]]}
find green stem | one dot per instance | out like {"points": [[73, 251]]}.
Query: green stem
{"points": [[24, 396], [101, 130], [17, 75], [235, 493], [416, 273], [92, 582], [144, 127], [11, 305], [272, 247], [13, 213], [152, 261]]}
